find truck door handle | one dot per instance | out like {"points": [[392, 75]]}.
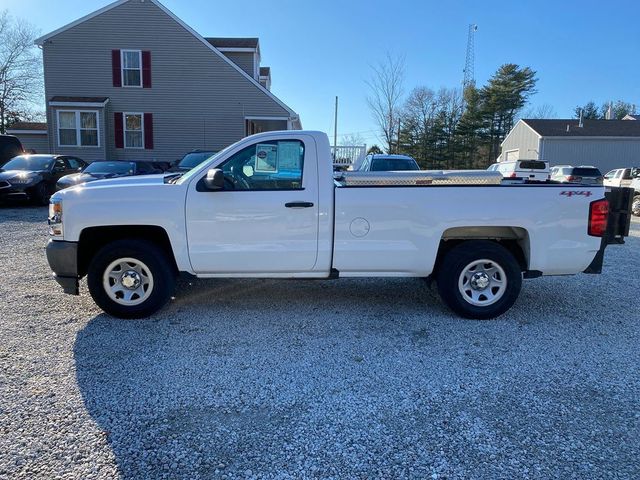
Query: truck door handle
{"points": [[298, 204]]}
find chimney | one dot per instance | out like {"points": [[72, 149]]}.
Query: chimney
{"points": [[580, 124], [567, 128]]}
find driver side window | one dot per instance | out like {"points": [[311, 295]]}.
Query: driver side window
{"points": [[59, 166], [269, 165]]}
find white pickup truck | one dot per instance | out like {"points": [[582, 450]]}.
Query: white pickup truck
{"points": [[270, 206]]}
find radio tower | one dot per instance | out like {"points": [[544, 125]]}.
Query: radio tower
{"points": [[469, 75]]}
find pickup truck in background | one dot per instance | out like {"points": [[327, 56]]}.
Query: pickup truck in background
{"points": [[269, 206]]}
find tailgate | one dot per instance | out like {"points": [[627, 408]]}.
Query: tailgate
{"points": [[620, 201]]}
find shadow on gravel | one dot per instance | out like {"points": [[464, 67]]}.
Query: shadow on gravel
{"points": [[353, 378], [22, 212]]}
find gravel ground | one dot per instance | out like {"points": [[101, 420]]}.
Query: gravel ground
{"points": [[369, 378]]}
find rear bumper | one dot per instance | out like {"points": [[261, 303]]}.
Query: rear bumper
{"points": [[618, 223], [63, 260]]}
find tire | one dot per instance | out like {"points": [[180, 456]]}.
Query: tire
{"points": [[137, 274], [41, 194], [635, 208], [479, 279]]}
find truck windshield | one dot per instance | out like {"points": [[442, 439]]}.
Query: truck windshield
{"points": [[393, 164], [194, 159], [110, 167]]}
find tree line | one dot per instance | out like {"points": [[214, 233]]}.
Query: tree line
{"points": [[460, 127]]}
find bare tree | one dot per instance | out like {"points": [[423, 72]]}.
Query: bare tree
{"points": [[20, 72], [352, 139], [541, 111], [385, 99]]}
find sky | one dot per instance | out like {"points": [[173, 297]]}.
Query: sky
{"points": [[581, 49]]}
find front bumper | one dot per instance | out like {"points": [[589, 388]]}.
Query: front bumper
{"points": [[13, 191], [63, 260]]}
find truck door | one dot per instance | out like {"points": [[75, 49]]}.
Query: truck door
{"points": [[265, 219]]}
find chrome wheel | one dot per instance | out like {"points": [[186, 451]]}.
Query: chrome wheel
{"points": [[127, 281], [482, 283]]}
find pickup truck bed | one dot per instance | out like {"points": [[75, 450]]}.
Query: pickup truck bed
{"points": [[270, 206]]}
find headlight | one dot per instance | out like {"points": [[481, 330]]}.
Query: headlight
{"points": [[55, 217]]}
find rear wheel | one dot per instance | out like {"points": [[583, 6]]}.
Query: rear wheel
{"points": [[130, 279], [479, 279]]}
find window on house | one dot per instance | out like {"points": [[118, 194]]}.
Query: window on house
{"points": [[133, 130], [78, 128], [131, 68]]}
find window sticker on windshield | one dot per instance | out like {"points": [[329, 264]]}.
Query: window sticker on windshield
{"points": [[266, 158]]}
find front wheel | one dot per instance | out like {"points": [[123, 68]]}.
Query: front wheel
{"points": [[635, 208], [130, 279], [479, 279]]}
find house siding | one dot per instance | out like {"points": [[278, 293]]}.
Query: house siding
{"points": [[197, 99], [606, 154], [244, 60], [33, 141], [525, 140]]}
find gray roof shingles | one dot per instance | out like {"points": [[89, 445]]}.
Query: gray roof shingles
{"points": [[219, 42], [590, 128]]}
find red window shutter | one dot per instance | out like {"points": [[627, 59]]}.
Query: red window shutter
{"points": [[115, 68], [146, 69], [118, 129], [148, 131]]}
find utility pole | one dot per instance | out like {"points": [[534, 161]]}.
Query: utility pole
{"points": [[335, 126]]}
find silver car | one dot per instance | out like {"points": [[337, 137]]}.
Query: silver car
{"points": [[585, 175]]}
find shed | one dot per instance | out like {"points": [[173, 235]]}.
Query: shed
{"points": [[606, 144]]}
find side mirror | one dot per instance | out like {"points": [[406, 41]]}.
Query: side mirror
{"points": [[214, 179]]}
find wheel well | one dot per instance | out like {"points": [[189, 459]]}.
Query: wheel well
{"points": [[93, 239], [514, 239]]}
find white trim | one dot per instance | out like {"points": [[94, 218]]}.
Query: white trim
{"points": [[237, 49], [124, 130], [41, 40], [78, 128], [122, 52], [78, 104], [26, 132], [253, 117]]}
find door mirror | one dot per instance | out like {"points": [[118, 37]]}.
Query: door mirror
{"points": [[214, 179]]}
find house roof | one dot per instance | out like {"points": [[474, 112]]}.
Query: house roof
{"points": [[79, 99], [265, 71], [32, 126], [631, 117], [227, 42], [590, 128]]}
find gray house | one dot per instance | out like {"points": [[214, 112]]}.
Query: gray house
{"points": [[132, 81], [606, 144], [32, 135]]}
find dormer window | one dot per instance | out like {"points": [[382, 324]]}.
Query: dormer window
{"points": [[131, 68]]}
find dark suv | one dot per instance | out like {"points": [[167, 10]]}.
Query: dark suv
{"points": [[10, 146]]}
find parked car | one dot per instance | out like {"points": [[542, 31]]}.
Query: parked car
{"points": [[34, 177], [192, 159], [635, 207], [10, 146], [584, 174], [388, 163], [238, 215], [531, 170], [102, 170], [620, 177]]}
